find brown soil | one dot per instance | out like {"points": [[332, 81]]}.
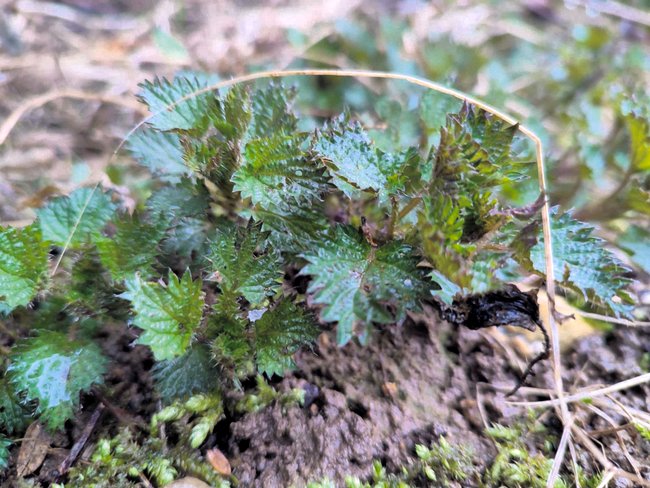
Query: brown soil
{"points": [[372, 402], [406, 387]]}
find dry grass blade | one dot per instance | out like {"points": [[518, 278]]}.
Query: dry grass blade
{"points": [[616, 430], [74, 229], [585, 394], [612, 320], [618, 9], [560, 453], [609, 467]]}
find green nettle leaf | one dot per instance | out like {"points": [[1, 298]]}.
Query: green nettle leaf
{"points": [[217, 153], [187, 375], [441, 229], [159, 152], [278, 335], [175, 202], [355, 164], [53, 370], [132, 248], [581, 263], [359, 283], [231, 349], [471, 162], [276, 169], [400, 125], [448, 289], [272, 114], [244, 264], [189, 237], [183, 208], [89, 290], [167, 314], [636, 242], [474, 155], [231, 114], [23, 264], [70, 221], [14, 417], [4, 452], [185, 115]]}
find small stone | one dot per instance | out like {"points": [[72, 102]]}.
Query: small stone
{"points": [[188, 482], [219, 462]]}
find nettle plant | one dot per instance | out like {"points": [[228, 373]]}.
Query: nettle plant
{"points": [[258, 233]]}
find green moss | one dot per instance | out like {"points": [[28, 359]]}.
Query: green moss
{"points": [[441, 465], [265, 394], [193, 418], [516, 466], [123, 462]]}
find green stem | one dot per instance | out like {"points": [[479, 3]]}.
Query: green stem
{"points": [[393, 218], [409, 207]]}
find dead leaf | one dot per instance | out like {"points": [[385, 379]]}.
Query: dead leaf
{"points": [[33, 450], [324, 340], [37, 199], [188, 482], [219, 462]]}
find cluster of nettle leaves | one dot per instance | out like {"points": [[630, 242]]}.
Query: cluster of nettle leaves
{"points": [[255, 230]]}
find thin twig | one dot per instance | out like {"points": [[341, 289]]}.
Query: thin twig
{"points": [[121, 415], [540, 357], [81, 442], [617, 433], [145, 480], [408, 208]]}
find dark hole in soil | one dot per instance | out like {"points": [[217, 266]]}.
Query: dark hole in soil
{"points": [[249, 383], [147, 364], [295, 281], [243, 445], [357, 408], [221, 434], [102, 334]]}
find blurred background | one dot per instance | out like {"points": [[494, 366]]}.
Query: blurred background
{"points": [[575, 71]]}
